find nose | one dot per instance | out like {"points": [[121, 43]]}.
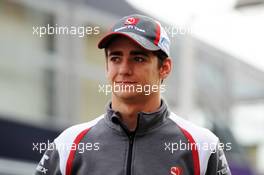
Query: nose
{"points": [[125, 68]]}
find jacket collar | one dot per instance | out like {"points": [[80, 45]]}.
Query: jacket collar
{"points": [[146, 121]]}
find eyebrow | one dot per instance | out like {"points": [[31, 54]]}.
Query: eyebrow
{"points": [[138, 52], [133, 52], [115, 53]]}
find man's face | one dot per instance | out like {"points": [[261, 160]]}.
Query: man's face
{"points": [[129, 65]]}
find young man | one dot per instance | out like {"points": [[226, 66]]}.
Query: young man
{"points": [[137, 135]]}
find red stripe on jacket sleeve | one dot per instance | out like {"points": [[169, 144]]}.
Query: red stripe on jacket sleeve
{"points": [[156, 41], [194, 149], [72, 151]]}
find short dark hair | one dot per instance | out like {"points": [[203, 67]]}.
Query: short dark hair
{"points": [[161, 57]]}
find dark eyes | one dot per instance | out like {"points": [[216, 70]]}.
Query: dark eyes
{"points": [[139, 59], [115, 59]]}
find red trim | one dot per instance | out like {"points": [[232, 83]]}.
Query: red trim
{"points": [[72, 152], [194, 151], [156, 41]]}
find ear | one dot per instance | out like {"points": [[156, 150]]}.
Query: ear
{"points": [[165, 69]]}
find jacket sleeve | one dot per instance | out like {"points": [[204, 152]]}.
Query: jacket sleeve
{"points": [[49, 163], [217, 164]]}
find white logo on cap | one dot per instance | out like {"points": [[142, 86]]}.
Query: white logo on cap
{"points": [[131, 21]]}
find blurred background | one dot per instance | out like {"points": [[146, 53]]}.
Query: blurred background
{"points": [[49, 83]]}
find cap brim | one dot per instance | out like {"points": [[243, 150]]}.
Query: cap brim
{"points": [[146, 44]]}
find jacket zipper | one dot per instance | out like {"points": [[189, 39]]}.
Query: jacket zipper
{"points": [[131, 137]]}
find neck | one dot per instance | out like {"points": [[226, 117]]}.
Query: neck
{"points": [[130, 108]]}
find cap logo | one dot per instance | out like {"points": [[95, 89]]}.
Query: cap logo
{"points": [[175, 170], [131, 21]]}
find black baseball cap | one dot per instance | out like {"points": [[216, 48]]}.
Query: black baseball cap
{"points": [[143, 30]]}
